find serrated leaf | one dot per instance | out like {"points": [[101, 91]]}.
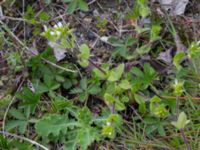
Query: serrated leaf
{"points": [[116, 73], [53, 124], [84, 116], [17, 114], [86, 136], [83, 83], [21, 124], [29, 98]]}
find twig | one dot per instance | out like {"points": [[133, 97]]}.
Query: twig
{"points": [[24, 139]]}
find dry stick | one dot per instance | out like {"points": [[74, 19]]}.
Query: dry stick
{"points": [[24, 139], [45, 60]]}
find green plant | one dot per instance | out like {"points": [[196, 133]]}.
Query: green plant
{"points": [[78, 133], [122, 46], [143, 78], [140, 9], [64, 96], [86, 88], [21, 120], [74, 4], [101, 22], [180, 124], [84, 55]]}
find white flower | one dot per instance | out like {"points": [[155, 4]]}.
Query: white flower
{"points": [[58, 33], [55, 26], [104, 38], [52, 33], [108, 123], [59, 24]]}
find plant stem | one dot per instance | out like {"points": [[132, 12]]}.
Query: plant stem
{"points": [[96, 66], [180, 98], [185, 139], [177, 106]]}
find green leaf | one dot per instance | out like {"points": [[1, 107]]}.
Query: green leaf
{"points": [[177, 59], [44, 16], [116, 73], [181, 122], [83, 96], [84, 55], [109, 99], [143, 8], [86, 136], [153, 101], [84, 116], [155, 30], [143, 49], [29, 98], [53, 124], [124, 84], [83, 5], [140, 100], [83, 83], [85, 51], [94, 89], [120, 105], [21, 124], [17, 114], [72, 6], [161, 130]]}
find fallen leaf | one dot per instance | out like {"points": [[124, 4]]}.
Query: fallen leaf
{"points": [[174, 7], [165, 56], [59, 53]]}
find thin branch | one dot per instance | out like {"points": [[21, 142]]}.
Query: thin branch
{"points": [[24, 139]]}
